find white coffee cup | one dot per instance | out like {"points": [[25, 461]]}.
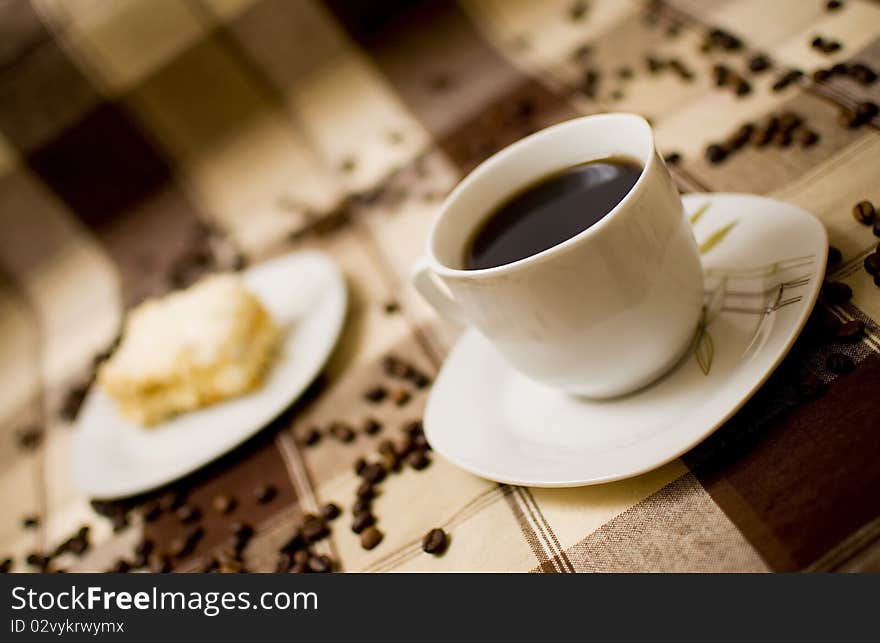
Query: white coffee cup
{"points": [[602, 314]]}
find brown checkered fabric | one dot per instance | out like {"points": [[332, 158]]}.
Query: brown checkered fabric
{"points": [[144, 142]]}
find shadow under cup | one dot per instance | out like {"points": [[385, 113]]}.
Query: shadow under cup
{"points": [[601, 314]]}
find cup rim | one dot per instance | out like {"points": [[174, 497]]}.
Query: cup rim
{"points": [[518, 147]]}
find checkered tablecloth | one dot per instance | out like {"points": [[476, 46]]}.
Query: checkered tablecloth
{"points": [[144, 142]]}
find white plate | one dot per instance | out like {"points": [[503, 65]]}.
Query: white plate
{"points": [[306, 295], [487, 418]]}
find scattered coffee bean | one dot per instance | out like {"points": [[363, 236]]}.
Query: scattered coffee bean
{"points": [[809, 387], [872, 264], [834, 256], [376, 394], [295, 542], [390, 462], [418, 460], [866, 110], [851, 331], [864, 212], [789, 77], [373, 473], [413, 428], [348, 165], [401, 397], [121, 566], [654, 64], [223, 503], [836, 292], [403, 446], [759, 63], [420, 380], [314, 528], [681, 69], [30, 522], [625, 73], [839, 364], [371, 537], [29, 437], [831, 46], [715, 154], [188, 514], [342, 431], [265, 493], [821, 75], [72, 402], [840, 69], [372, 426], [362, 505], [807, 137], [673, 158], [5, 566], [833, 5], [366, 490], [330, 511], [320, 564], [312, 436], [582, 52], [721, 73], [421, 442], [742, 87], [861, 73], [824, 323], [435, 542], [151, 511], [391, 307], [849, 118], [362, 521], [38, 561]]}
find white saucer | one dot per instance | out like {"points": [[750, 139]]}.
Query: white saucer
{"points": [[487, 418], [306, 295]]}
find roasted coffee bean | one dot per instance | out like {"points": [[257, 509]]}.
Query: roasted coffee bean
{"points": [[831, 46], [372, 426], [721, 73], [413, 428], [839, 363], [833, 5], [420, 380], [876, 229], [361, 521], [715, 154], [851, 331], [376, 394], [818, 42], [435, 542], [188, 514], [403, 446], [786, 79], [30, 522], [386, 446], [265, 493], [121, 566], [864, 212], [29, 437], [625, 73], [421, 442], [739, 138], [821, 75], [578, 9], [824, 323], [366, 490], [391, 307], [759, 63], [681, 69], [783, 138], [764, 134], [581, 52], [809, 387], [296, 542], [836, 292], [807, 137], [5, 566], [373, 473], [839, 69], [866, 110], [241, 529], [401, 397], [654, 64], [861, 73], [160, 564], [742, 87], [390, 462], [330, 511], [151, 511], [73, 400], [342, 431], [38, 560], [314, 528], [418, 460], [312, 436], [872, 264], [834, 256], [320, 564], [371, 537], [362, 505], [789, 121], [849, 118], [78, 545], [223, 503], [673, 158], [393, 366], [359, 465]]}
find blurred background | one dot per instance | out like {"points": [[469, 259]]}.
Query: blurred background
{"points": [[144, 143]]}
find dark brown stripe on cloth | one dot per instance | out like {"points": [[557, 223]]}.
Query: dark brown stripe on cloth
{"points": [[797, 479], [546, 562], [119, 186], [464, 92], [238, 475]]}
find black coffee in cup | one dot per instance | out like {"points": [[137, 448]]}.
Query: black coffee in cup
{"points": [[550, 210]]}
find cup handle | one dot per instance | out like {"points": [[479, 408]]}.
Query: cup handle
{"points": [[435, 292]]}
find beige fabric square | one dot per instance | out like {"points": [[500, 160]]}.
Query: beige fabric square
{"points": [[126, 40]]}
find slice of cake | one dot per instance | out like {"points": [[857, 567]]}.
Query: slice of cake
{"points": [[192, 348]]}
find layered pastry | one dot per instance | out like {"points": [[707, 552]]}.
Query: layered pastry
{"points": [[192, 348]]}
